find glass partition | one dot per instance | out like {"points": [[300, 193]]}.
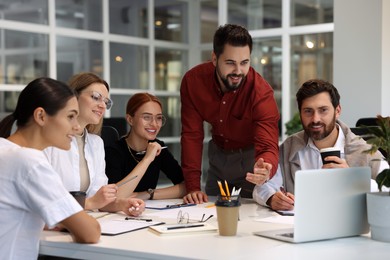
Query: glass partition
{"points": [[84, 15], [32, 11], [170, 66], [266, 59], [208, 20], [311, 57], [24, 56], [75, 55], [129, 66], [255, 14], [129, 17], [171, 18], [305, 12]]}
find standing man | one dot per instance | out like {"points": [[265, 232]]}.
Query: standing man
{"points": [[240, 106], [319, 109]]}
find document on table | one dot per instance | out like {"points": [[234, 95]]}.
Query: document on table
{"points": [[116, 225]]}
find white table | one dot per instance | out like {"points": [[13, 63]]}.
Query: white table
{"points": [[143, 244]]}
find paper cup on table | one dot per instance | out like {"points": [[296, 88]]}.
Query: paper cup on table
{"points": [[330, 151], [227, 214], [80, 197]]}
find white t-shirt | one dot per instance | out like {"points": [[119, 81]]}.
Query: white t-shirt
{"points": [[67, 164], [31, 194]]}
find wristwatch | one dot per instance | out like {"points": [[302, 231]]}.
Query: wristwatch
{"points": [[151, 193]]}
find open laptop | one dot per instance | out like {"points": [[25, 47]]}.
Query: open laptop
{"points": [[329, 203]]}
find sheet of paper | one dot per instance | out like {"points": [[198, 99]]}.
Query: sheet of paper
{"points": [[115, 225]]}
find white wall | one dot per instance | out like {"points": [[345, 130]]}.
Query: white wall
{"points": [[362, 57]]}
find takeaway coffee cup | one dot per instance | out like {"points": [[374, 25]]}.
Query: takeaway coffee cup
{"points": [[80, 197], [330, 151], [227, 214]]}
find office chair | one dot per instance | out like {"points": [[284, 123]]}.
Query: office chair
{"points": [[119, 123], [367, 121], [109, 135]]}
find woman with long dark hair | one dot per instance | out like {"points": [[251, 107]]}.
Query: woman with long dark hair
{"points": [[31, 192]]}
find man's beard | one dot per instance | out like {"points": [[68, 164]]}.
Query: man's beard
{"points": [[318, 136], [225, 80]]}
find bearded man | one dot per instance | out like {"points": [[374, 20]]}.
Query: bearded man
{"points": [[240, 107], [319, 109]]}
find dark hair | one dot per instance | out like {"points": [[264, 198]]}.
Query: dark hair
{"points": [[52, 95], [315, 86], [81, 81], [231, 34], [137, 100]]}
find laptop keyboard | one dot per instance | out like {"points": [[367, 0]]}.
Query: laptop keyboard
{"points": [[291, 235]]}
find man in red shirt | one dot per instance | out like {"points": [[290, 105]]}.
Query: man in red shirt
{"points": [[239, 104]]}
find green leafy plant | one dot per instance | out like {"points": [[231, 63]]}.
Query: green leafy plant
{"points": [[379, 138], [294, 125]]}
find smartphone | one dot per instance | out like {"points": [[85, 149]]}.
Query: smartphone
{"points": [[285, 212]]}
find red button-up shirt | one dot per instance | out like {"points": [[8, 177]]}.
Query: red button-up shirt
{"points": [[239, 119]]}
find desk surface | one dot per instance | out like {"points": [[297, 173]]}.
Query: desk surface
{"points": [[143, 244]]}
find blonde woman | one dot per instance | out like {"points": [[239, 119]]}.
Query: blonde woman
{"points": [[83, 167]]}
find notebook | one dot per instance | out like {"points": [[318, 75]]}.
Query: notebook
{"points": [[329, 203]]}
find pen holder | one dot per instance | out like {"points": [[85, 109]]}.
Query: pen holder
{"points": [[227, 214], [80, 197]]}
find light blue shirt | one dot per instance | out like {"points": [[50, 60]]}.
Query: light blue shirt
{"points": [[310, 158]]}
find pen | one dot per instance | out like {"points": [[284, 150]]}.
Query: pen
{"points": [[185, 226], [123, 183], [141, 219], [143, 152], [283, 190], [180, 205]]}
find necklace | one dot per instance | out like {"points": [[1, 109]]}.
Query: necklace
{"points": [[131, 153], [82, 134]]}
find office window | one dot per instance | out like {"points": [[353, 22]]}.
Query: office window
{"points": [[170, 66], [305, 12], [8, 100], [32, 11], [208, 20], [129, 66], [311, 57], [254, 14], [266, 59], [170, 17], [171, 110], [143, 45], [24, 56], [84, 15], [129, 17], [206, 55], [77, 55]]}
